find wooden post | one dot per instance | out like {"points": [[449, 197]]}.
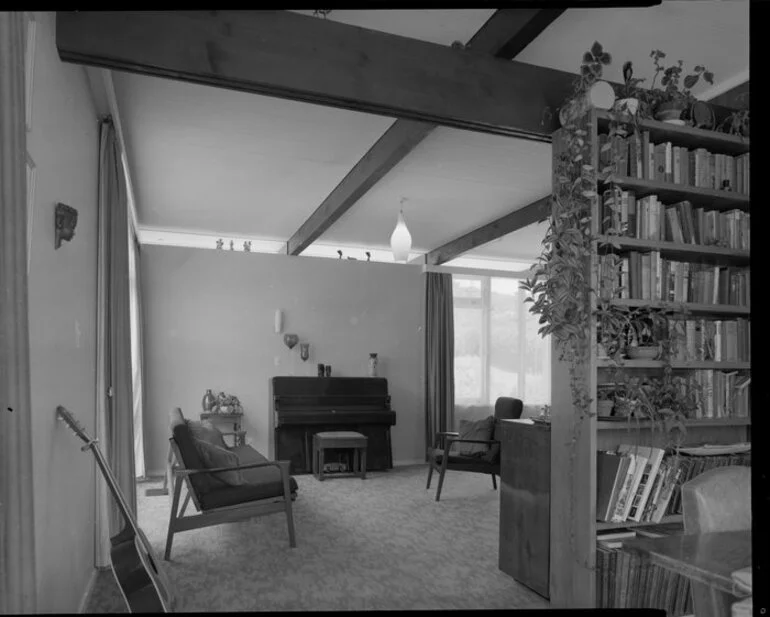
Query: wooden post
{"points": [[17, 540]]}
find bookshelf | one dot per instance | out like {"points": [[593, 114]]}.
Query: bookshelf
{"points": [[573, 455]]}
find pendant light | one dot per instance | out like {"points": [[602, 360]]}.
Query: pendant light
{"points": [[401, 239]]}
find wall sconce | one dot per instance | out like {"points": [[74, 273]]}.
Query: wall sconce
{"points": [[401, 239], [65, 221], [278, 321]]}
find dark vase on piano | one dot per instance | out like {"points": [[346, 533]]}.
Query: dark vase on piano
{"points": [[304, 406]]}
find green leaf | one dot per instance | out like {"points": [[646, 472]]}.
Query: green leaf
{"points": [[596, 49]]}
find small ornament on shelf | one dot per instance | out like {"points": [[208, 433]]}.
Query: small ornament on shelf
{"points": [[220, 243], [372, 367]]}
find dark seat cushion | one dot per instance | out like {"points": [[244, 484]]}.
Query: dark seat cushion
{"points": [[459, 459], [258, 483]]}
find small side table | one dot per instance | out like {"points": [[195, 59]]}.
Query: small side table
{"points": [[239, 435], [339, 439]]}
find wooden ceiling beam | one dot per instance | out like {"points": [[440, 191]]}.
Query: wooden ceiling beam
{"points": [[288, 55], [535, 212], [504, 35]]}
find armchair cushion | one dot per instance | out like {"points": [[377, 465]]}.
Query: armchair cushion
{"points": [[258, 483], [458, 459], [213, 456], [206, 431], [473, 429]]}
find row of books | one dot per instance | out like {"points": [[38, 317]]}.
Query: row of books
{"points": [[625, 479], [625, 579], [648, 276], [720, 394], [692, 466], [717, 340], [643, 483], [647, 218], [636, 156]]}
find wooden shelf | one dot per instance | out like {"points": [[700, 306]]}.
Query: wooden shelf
{"points": [[674, 518], [679, 252], [675, 364], [669, 193], [603, 425], [685, 135], [707, 309]]}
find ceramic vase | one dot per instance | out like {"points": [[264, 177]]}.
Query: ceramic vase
{"points": [[372, 372], [208, 401]]}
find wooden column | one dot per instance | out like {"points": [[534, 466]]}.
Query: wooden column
{"points": [[17, 541], [573, 459]]}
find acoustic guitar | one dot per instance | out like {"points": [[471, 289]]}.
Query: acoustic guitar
{"points": [[142, 581]]}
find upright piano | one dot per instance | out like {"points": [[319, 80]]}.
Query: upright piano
{"points": [[303, 406]]}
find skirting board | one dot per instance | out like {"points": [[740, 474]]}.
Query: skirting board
{"points": [[88, 591], [405, 462]]}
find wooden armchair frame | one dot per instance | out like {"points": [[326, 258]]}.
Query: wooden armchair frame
{"points": [[449, 438], [226, 514], [506, 408]]}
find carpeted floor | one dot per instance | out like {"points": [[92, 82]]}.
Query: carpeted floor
{"points": [[379, 543]]}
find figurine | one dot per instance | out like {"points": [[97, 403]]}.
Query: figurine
{"points": [[247, 246], [220, 243]]}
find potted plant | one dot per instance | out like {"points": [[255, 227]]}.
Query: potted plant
{"points": [[646, 329], [590, 89], [737, 123], [630, 95], [670, 102]]}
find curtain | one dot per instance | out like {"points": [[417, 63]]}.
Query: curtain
{"points": [[439, 356], [17, 532], [137, 353], [115, 405]]}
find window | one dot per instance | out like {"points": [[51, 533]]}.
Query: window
{"points": [[498, 351]]}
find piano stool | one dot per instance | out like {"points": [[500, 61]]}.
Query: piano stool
{"points": [[339, 439]]}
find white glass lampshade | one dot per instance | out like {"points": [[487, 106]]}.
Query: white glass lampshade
{"points": [[401, 240]]}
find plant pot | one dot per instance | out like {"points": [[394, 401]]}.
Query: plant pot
{"points": [[623, 408], [629, 106], [604, 407], [670, 111], [642, 352]]}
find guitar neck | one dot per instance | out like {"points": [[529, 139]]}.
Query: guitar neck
{"points": [[132, 548], [112, 483]]}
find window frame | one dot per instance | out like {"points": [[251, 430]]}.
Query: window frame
{"points": [[484, 303]]}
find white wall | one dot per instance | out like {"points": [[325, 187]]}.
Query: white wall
{"points": [[62, 319], [208, 323]]}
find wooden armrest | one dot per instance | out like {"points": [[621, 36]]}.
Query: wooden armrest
{"points": [[188, 472], [447, 433]]}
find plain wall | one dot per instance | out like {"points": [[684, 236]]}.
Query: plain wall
{"points": [[63, 143], [209, 323]]}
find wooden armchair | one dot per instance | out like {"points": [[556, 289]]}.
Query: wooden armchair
{"points": [[506, 408], [268, 487]]}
